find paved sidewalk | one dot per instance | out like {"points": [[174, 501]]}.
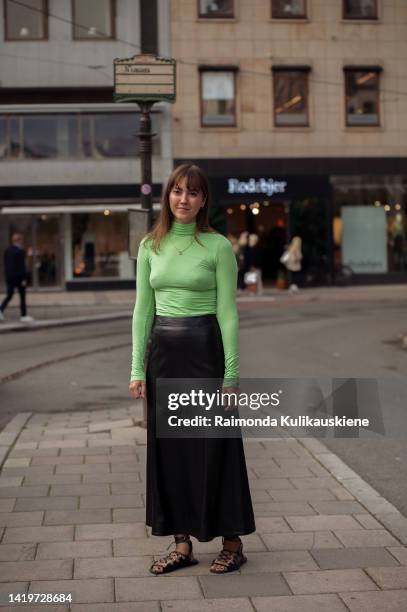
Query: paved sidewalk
{"points": [[72, 521]]}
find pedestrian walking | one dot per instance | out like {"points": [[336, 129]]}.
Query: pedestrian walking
{"points": [[186, 282], [16, 276], [292, 259]]}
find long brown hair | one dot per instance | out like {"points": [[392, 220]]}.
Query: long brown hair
{"points": [[196, 180]]}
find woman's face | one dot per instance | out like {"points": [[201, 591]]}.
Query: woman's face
{"points": [[185, 203]]}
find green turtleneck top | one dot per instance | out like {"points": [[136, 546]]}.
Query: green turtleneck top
{"points": [[202, 280]]}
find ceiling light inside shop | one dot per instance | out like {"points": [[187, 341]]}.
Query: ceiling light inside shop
{"points": [[255, 211], [266, 203], [398, 207], [377, 203], [242, 206], [230, 211], [387, 208], [106, 212]]}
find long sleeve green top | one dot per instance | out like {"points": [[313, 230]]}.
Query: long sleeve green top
{"points": [[202, 280]]}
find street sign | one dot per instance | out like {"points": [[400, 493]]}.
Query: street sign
{"points": [[144, 78]]}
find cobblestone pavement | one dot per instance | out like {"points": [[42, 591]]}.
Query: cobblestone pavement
{"points": [[72, 521]]}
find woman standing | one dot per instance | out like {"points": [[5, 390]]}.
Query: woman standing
{"points": [[186, 274]]}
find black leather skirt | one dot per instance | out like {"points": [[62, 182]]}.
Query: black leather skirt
{"points": [[197, 486]]}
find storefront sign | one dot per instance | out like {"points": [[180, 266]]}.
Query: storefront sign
{"points": [[264, 186], [364, 242]]}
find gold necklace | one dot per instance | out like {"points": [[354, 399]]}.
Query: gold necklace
{"points": [[182, 251]]}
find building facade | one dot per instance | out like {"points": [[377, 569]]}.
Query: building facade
{"points": [[297, 109], [69, 156]]}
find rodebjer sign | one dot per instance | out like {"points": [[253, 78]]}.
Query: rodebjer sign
{"points": [[266, 186]]}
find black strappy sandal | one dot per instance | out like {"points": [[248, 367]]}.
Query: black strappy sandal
{"points": [[175, 560], [229, 560]]}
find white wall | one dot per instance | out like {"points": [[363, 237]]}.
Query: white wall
{"points": [[63, 62]]}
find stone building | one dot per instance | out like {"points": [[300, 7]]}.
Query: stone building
{"points": [[297, 109]]}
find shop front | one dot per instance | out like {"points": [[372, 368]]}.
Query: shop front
{"points": [[276, 208], [73, 245], [351, 214]]}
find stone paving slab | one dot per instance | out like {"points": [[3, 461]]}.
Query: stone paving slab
{"points": [[164, 587], [73, 550], [389, 578], [329, 581], [111, 501], [244, 585], [353, 557], [400, 552], [83, 591], [110, 531], [17, 552], [25, 491], [280, 561], [377, 601], [7, 504], [38, 534], [36, 570], [17, 519], [141, 606], [11, 587], [301, 541], [115, 567], [300, 603], [46, 503], [365, 537], [76, 517], [208, 605]]}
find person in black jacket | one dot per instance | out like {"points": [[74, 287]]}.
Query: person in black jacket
{"points": [[16, 275]]}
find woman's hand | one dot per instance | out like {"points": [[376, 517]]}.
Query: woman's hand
{"points": [[230, 403], [137, 389]]}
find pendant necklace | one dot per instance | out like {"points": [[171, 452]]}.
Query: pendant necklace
{"points": [[182, 251]]}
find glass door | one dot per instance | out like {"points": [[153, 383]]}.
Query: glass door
{"points": [[47, 251]]}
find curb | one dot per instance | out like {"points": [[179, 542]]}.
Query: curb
{"points": [[10, 433], [377, 505], [36, 325]]}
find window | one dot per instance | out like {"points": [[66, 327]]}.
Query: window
{"points": [[50, 136], [73, 136], [360, 9], [99, 245], [93, 19], [219, 9], [290, 96], [362, 96], [288, 9], [28, 22], [218, 106]]}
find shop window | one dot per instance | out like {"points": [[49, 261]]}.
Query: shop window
{"points": [[360, 9], [73, 136], [50, 136], [26, 20], [218, 9], [218, 104], [93, 19], [290, 97], [362, 96], [288, 9], [99, 246], [370, 224]]}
